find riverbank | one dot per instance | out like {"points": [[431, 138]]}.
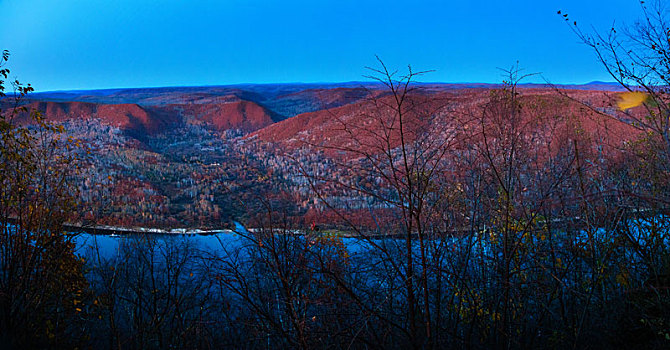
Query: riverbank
{"points": [[118, 230]]}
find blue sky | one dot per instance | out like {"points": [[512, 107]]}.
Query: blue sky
{"points": [[86, 44]]}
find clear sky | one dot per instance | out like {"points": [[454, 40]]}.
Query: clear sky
{"points": [[87, 44]]}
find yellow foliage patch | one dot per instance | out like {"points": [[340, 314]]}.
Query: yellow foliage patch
{"points": [[631, 99]]}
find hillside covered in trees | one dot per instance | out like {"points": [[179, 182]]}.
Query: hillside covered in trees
{"points": [[194, 159]]}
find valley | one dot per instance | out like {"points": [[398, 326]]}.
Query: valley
{"points": [[202, 157]]}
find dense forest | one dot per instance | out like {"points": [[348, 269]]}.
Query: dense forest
{"points": [[408, 217]]}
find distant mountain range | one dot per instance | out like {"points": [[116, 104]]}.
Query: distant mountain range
{"points": [[245, 107], [259, 92]]}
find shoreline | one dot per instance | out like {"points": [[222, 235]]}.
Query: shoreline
{"points": [[117, 230]]}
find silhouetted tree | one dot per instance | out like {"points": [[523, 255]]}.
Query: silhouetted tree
{"points": [[43, 293]]}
